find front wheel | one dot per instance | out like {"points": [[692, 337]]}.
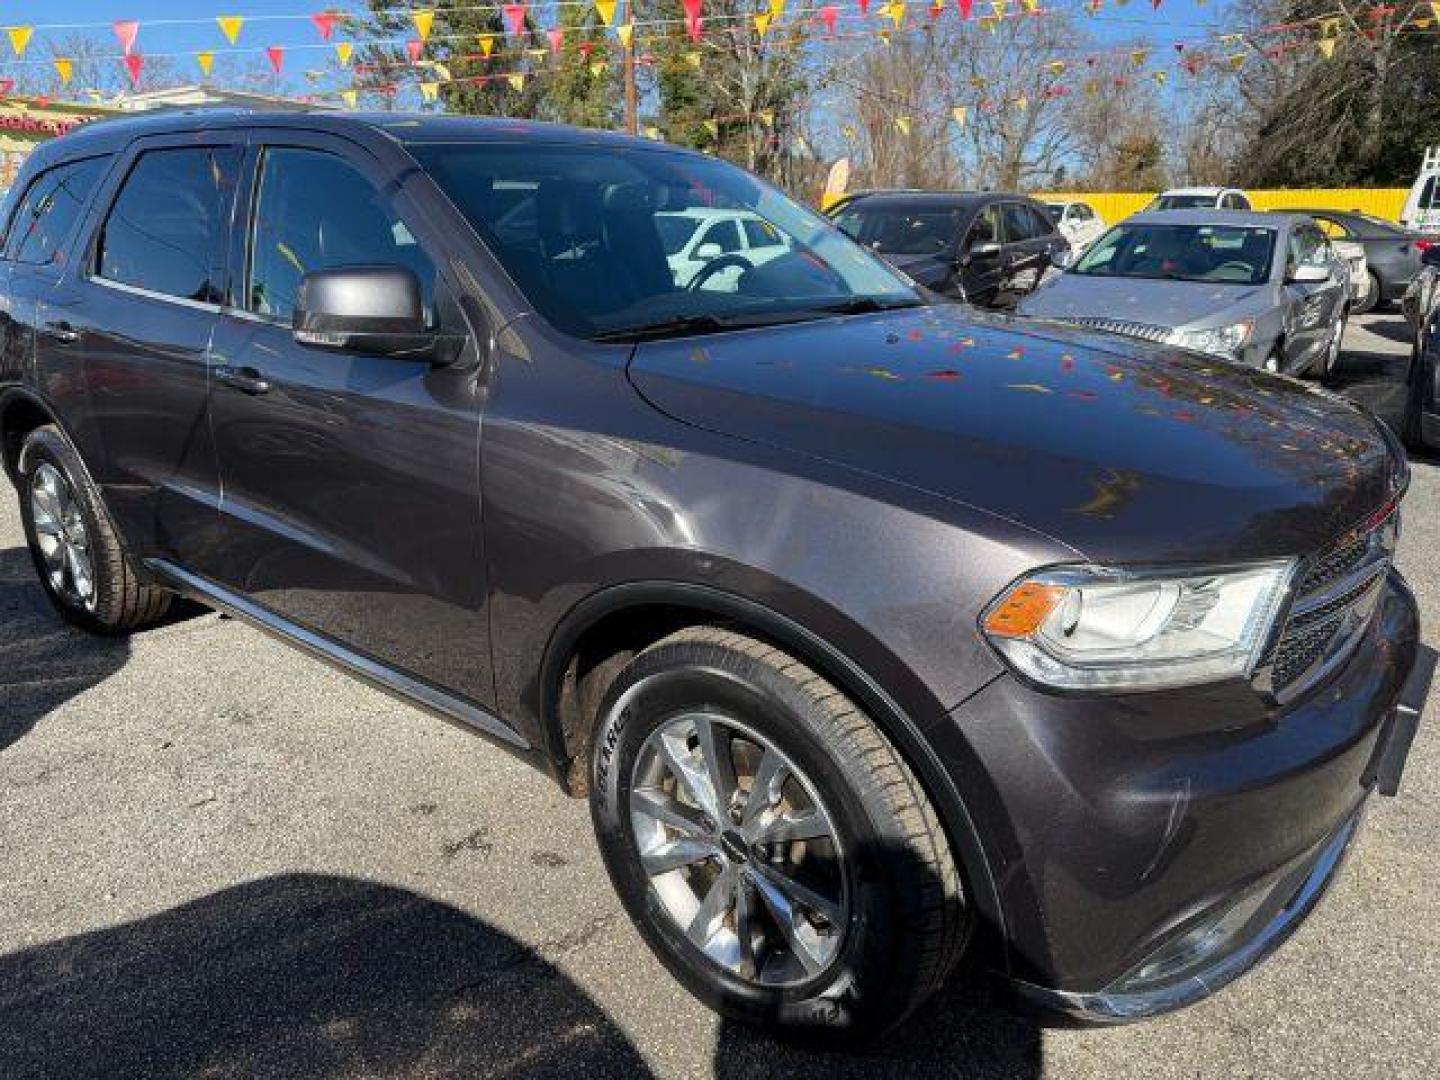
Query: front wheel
{"points": [[1370, 299], [771, 845], [1412, 427]]}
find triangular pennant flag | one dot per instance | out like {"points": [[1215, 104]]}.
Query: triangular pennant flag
{"points": [[903, 124], [597, 68], [1022, 103], [987, 22], [126, 30], [429, 91], [1139, 56], [586, 48], [65, 69], [896, 10], [413, 49], [535, 54], [1236, 60], [777, 8], [424, 19], [1093, 6], [692, 18], [1435, 9], [966, 7], [606, 10], [959, 112], [517, 82], [556, 37], [712, 128], [7, 84], [230, 26], [206, 61], [487, 45], [626, 34], [1160, 78], [829, 15], [767, 118], [1329, 27], [343, 51], [693, 59], [651, 132], [350, 97], [1032, 7], [134, 64], [998, 7], [1327, 47], [1056, 67], [276, 55], [515, 17], [325, 23], [19, 38], [762, 22]]}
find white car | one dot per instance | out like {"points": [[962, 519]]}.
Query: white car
{"points": [[1200, 198], [1422, 205], [696, 237], [1077, 222]]}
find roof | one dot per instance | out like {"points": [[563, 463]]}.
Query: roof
{"points": [[933, 199], [1197, 191], [1269, 219]]}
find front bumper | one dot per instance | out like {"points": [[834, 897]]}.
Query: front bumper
{"points": [[1150, 848]]}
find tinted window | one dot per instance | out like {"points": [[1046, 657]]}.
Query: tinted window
{"points": [[1427, 194], [1182, 202], [314, 211], [1040, 225], [986, 227], [1307, 246], [46, 216], [898, 230], [1228, 254], [723, 234], [761, 233], [1018, 223], [1240, 202], [166, 231]]}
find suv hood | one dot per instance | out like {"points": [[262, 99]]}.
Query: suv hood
{"points": [[1143, 300], [1119, 449]]}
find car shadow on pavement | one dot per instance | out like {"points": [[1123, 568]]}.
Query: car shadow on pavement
{"points": [[301, 975], [964, 1031]]}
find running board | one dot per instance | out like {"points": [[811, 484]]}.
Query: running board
{"points": [[406, 688]]}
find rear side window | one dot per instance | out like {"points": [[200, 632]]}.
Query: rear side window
{"points": [[167, 228], [986, 228], [1019, 226], [315, 211], [1040, 225], [48, 212]]}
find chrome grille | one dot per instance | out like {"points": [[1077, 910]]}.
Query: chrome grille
{"points": [[1123, 326], [1335, 594]]}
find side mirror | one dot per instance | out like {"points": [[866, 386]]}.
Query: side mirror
{"points": [[377, 310], [1062, 258], [1309, 274], [706, 252]]}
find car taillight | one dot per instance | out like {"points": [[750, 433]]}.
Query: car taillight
{"points": [[1423, 246]]}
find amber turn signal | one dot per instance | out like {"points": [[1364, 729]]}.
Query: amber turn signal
{"points": [[1023, 609]]}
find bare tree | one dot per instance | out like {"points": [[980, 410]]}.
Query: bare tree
{"points": [[96, 71]]}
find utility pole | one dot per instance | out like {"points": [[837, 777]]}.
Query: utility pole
{"points": [[632, 103]]}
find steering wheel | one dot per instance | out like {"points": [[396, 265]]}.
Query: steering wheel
{"points": [[1235, 264], [714, 266]]}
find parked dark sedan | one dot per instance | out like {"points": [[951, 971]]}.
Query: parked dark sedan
{"points": [[1392, 252], [889, 640], [988, 249], [1422, 388]]}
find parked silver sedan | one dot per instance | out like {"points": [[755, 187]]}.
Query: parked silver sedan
{"points": [[1262, 289]]}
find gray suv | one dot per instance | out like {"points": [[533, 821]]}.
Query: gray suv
{"points": [[889, 641]]}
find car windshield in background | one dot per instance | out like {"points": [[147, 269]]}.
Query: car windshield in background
{"points": [[1224, 254], [599, 241], [1183, 202], [896, 231]]}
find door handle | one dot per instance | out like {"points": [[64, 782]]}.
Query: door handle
{"points": [[246, 379], [62, 332]]}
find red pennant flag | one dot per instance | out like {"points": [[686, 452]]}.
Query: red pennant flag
{"points": [[557, 38], [829, 14], [586, 48], [134, 63], [1154, 5], [6, 85], [692, 18], [413, 48], [277, 57], [126, 30], [966, 7], [515, 17], [324, 22], [864, 7]]}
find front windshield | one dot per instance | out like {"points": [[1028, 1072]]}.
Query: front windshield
{"points": [[598, 240], [897, 231], [1226, 254], [1182, 202]]}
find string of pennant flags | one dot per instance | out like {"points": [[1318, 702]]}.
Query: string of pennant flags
{"points": [[1323, 32]]}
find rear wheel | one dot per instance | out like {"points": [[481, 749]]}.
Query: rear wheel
{"points": [[774, 849], [77, 553], [1371, 299], [1324, 368], [1412, 427]]}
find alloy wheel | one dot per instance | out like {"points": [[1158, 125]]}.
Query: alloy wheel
{"points": [[740, 850], [62, 537]]}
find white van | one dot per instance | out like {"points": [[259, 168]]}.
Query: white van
{"points": [[1422, 205]]}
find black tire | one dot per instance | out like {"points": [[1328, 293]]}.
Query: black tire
{"points": [[1412, 431], [907, 922], [120, 600], [1323, 369], [1371, 299]]}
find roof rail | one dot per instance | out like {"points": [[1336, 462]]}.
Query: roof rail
{"points": [[1431, 161]]}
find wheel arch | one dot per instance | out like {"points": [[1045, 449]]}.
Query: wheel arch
{"points": [[622, 619], [21, 412]]}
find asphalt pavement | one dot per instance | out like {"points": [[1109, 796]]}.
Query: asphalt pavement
{"points": [[220, 858]]}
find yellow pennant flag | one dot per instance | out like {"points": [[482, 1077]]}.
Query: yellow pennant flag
{"points": [[626, 34], [693, 58], [999, 6], [1327, 47], [230, 26], [423, 19], [606, 11], [712, 128], [1056, 67], [767, 118], [960, 113], [1424, 24], [487, 45], [65, 69], [652, 132], [343, 51], [1159, 78], [1139, 56], [848, 132], [979, 82], [1090, 88], [903, 123], [1022, 103], [988, 22], [350, 97], [206, 61], [19, 38], [896, 12], [1435, 9], [1030, 6], [777, 8], [517, 82], [429, 91], [1236, 61], [597, 68], [1329, 27], [762, 22]]}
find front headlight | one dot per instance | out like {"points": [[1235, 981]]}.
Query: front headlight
{"points": [[1100, 628], [1216, 340]]}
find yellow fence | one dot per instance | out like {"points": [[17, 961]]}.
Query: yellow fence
{"points": [[1381, 202]]}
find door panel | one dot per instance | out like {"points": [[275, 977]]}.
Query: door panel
{"points": [[351, 497], [982, 278]]}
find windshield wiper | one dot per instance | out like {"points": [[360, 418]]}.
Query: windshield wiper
{"points": [[863, 305]]}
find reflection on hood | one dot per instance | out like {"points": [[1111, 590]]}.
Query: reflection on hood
{"points": [[1142, 300]]}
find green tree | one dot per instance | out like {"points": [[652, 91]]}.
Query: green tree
{"points": [[582, 84]]}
